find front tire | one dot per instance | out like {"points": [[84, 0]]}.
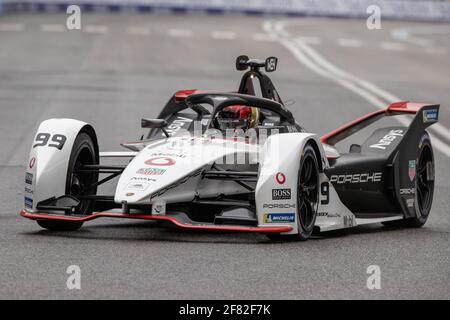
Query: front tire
{"points": [[78, 183], [307, 196]]}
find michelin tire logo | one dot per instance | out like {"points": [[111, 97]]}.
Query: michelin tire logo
{"points": [[279, 217]]}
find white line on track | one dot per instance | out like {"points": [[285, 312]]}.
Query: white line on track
{"points": [[180, 33], [264, 37], [350, 43], [138, 31], [52, 28], [393, 46], [367, 90], [95, 29], [223, 35], [310, 40], [11, 27]]}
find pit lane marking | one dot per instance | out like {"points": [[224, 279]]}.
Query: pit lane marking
{"points": [[350, 43], [264, 37], [98, 29], [184, 33], [52, 28], [310, 40], [11, 27], [139, 31], [393, 46], [223, 35]]}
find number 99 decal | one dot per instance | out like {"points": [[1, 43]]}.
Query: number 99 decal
{"points": [[46, 139]]}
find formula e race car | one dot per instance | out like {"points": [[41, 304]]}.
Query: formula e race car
{"points": [[236, 161]]}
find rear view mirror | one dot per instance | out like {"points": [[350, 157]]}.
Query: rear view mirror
{"points": [[241, 62], [271, 64], [155, 124]]}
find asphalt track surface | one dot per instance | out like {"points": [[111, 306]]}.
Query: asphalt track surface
{"points": [[123, 67]]}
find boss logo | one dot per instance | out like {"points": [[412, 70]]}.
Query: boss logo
{"points": [[281, 194]]}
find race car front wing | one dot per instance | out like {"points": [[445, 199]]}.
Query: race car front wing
{"points": [[178, 219]]}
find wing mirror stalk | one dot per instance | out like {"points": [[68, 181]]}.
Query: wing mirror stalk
{"points": [[155, 124]]}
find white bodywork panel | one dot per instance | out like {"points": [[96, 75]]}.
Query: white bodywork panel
{"points": [[47, 165], [171, 170]]}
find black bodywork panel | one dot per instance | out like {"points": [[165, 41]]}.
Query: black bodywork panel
{"points": [[369, 181]]}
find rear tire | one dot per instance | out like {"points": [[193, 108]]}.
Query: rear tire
{"points": [[307, 197], [424, 187], [77, 184]]}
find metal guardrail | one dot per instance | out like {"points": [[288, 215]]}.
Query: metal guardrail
{"points": [[424, 10]]}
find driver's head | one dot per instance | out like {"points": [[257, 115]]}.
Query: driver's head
{"points": [[238, 117]]}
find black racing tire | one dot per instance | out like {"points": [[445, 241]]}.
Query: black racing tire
{"points": [[424, 187], [83, 152], [307, 197]]}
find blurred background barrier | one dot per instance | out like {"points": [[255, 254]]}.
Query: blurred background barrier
{"points": [[422, 10]]}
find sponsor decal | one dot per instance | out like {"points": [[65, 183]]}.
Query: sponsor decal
{"points": [[280, 177], [334, 215], [349, 221], [278, 217], [281, 194], [151, 171], [387, 139], [412, 169], [422, 140], [159, 208], [430, 115], [410, 203], [28, 202], [28, 178], [356, 178], [177, 124], [31, 163], [408, 191], [143, 179], [278, 205], [329, 215], [160, 161], [169, 154], [140, 186], [129, 194], [28, 190]]}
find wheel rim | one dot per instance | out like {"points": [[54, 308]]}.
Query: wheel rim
{"points": [[425, 184], [80, 182], [307, 192]]}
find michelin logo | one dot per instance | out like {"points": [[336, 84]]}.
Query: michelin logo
{"points": [[28, 202], [278, 217]]}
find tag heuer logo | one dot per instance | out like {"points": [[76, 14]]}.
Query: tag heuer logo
{"points": [[281, 194]]}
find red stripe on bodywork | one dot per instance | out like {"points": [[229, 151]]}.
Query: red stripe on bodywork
{"points": [[48, 217]]}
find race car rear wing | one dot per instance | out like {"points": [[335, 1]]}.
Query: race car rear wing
{"points": [[428, 112]]}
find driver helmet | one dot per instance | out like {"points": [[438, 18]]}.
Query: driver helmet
{"points": [[238, 117]]}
